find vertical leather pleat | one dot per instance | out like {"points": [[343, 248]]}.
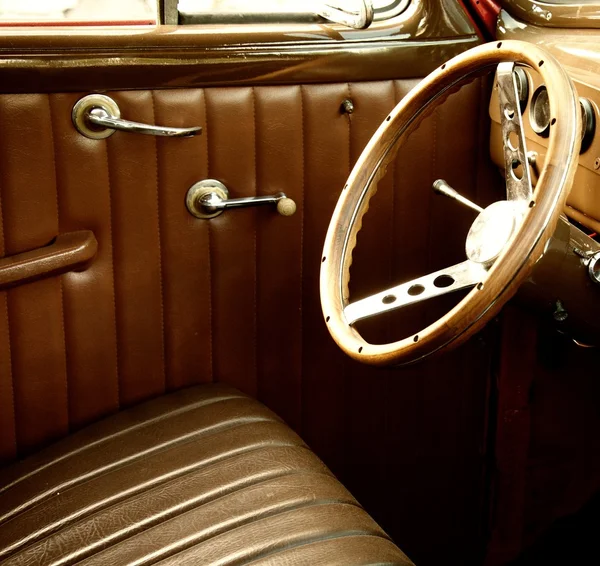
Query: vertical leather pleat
{"points": [[28, 180], [467, 369], [90, 324], [8, 439], [372, 257], [186, 268], [279, 260], [137, 253], [403, 389], [232, 160], [438, 403], [326, 166]]}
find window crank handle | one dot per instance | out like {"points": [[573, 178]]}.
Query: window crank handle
{"points": [[209, 198]]}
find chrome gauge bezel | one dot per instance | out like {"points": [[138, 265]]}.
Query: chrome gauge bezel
{"points": [[540, 101]]}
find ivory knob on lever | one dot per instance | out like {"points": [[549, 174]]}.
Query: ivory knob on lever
{"points": [[286, 206]]}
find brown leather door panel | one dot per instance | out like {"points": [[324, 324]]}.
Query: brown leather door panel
{"points": [[171, 300]]}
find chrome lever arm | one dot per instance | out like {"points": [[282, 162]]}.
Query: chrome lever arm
{"points": [[209, 198], [100, 117], [441, 187], [97, 116], [213, 202]]}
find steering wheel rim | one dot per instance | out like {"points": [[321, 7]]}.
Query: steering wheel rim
{"points": [[522, 251]]}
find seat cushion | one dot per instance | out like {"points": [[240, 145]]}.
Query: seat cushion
{"points": [[202, 476]]}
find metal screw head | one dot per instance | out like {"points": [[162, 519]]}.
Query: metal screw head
{"points": [[560, 314], [347, 106], [597, 163]]}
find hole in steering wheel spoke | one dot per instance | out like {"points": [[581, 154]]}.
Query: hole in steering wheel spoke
{"points": [[415, 290], [513, 140], [517, 170], [443, 281], [389, 299]]}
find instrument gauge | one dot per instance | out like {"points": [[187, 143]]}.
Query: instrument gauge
{"points": [[539, 113], [588, 123], [522, 87]]}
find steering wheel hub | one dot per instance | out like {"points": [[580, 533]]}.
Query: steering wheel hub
{"points": [[490, 232]]}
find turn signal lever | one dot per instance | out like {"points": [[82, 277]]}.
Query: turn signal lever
{"points": [[209, 198], [443, 188]]}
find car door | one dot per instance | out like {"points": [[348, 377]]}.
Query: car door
{"points": [[158, 299]]}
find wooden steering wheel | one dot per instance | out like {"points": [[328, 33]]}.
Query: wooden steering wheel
{"points": [[506, 239]]}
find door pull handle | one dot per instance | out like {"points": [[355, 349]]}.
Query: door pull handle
{"points": [[66, 253], [98, 116]]}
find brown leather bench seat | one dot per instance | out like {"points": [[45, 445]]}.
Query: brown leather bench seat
{"points": [[201, 476]]}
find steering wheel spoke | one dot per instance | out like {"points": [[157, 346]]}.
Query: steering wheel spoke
{"points": [[516, 165], [461, 276]]}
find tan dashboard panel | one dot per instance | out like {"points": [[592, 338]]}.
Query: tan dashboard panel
{"points": [[583, 204], [556, 14]]}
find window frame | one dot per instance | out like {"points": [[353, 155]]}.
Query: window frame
{"points": [[168, 14]]}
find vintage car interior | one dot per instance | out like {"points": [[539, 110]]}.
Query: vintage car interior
{"points": [[293, 287]]}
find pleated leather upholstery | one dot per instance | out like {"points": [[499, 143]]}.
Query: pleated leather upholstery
{"points": [[172, 301], [166, 286], [202, 476]]}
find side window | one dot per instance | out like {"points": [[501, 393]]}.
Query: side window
{"points": [[40, 12], [79, 11], [222, 11]]}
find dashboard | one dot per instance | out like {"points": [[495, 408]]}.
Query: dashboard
{"points": [[583, 204], [578, 50]]}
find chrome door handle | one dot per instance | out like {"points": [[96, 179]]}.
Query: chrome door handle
{"points": [[97, 116], [100, 117], [209, 198]]}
